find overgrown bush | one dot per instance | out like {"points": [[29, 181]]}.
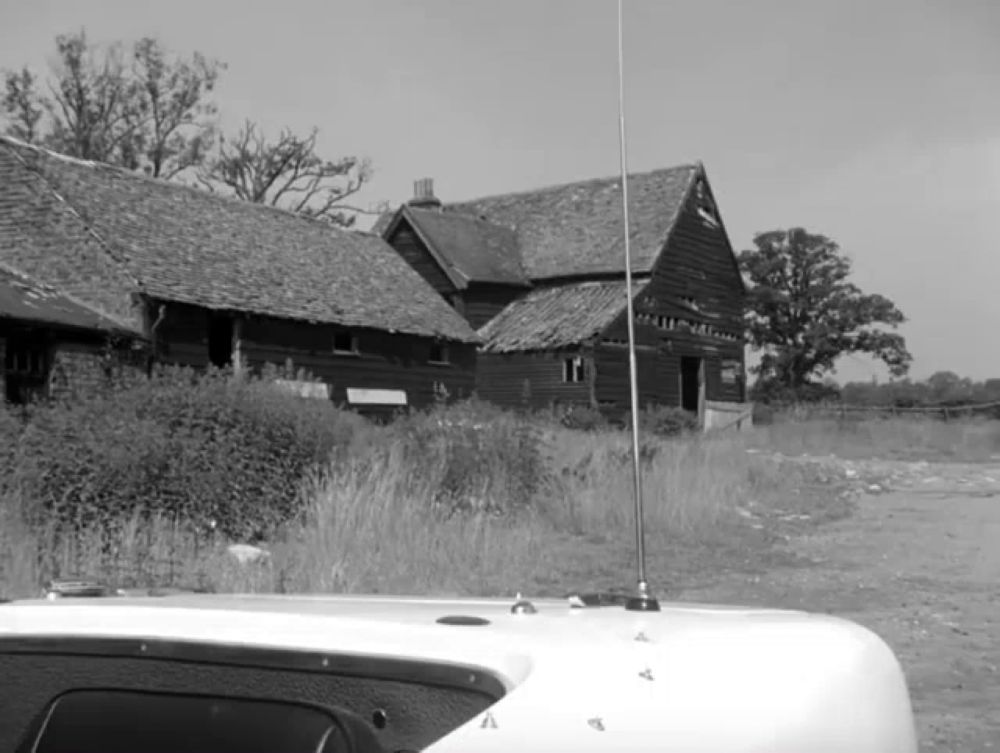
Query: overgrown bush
{"points": [[194, 447], [476, 456], [664, 420], [582, 418]]}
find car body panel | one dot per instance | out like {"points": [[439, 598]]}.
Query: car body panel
{"points": [[687, 678]]}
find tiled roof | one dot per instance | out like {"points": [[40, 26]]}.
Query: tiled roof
{"points": [[555, 317], [477, 250], [382, 223], [576, 229], [28, 300], [185, 244]]}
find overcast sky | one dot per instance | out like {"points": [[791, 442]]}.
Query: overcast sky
{"points": [[874, 122]]}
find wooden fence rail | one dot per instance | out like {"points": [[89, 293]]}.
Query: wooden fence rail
{"points": [[842, 409]]}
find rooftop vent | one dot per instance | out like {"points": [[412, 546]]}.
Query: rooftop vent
{"points": [[423, 195]]}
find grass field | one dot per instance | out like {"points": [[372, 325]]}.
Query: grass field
{"points": [[368, 527]]}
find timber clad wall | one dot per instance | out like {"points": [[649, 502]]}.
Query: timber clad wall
{"points": [[483, 302], [384, 360], [79, 370], [501, 378], [3, 362], [411, 248], [76, 370], [697, 269], [656, 383]]}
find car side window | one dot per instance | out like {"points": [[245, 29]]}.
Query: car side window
{"points": [[120, 721]]}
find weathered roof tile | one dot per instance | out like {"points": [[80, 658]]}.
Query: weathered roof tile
{"points": [[25, 299], [188, 245], [556, 316], [477, 250], [576, 229]]}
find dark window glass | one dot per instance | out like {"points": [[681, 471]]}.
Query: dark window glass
{"points": [[115, 721]]}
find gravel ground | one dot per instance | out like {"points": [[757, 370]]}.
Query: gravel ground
{"points": [[919, 563]]}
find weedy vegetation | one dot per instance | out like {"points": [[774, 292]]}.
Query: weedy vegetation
{"points": [[145, 485]]}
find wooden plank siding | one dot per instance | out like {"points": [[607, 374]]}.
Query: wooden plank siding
{"points": [[384, 360], [695, 267], [412, 249], [531, 380], [657, 377], [481, 302]]}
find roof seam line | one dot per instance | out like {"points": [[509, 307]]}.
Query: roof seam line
{"points": [[122, 263]]}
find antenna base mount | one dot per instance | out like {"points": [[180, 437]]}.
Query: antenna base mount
{"points": [[642, 603]]}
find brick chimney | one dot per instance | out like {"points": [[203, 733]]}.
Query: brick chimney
{"points": [[423, 195]]}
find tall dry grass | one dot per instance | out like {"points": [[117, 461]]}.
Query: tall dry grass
{"points": [[377, 522], [372, 526], [687, 483]]}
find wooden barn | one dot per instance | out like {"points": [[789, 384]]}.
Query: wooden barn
{"points": [[540, 274], [208, 279], [42, 331]]}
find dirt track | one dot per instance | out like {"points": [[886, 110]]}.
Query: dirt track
{"points": [[920, 565]]}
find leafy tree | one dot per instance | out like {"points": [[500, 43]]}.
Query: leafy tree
{"points": [[803, 313], [288, 173], [949, 387], [144, 111]]}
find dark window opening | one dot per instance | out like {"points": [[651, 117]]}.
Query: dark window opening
{"points": [[439, 353], [345, 342], [220, 339], [26, 371], [706, 207], [574, 369], [118, 721], [690, 383]]}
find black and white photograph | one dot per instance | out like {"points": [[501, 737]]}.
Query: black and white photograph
{"points": [[467, 376]]}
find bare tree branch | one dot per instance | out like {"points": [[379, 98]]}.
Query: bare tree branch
{"points": [[153, 115], [288, 173]]}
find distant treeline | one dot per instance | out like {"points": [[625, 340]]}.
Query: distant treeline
{"points": [[942, 389], [943, 393]]}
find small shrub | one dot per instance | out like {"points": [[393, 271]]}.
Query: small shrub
{"points": [[194, 447], [664, 421], [582, 418]]}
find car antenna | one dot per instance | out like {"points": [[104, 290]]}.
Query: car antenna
{"points": [[642, 600]]}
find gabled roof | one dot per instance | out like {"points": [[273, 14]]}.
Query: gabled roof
{"points": [[556, 317], [467, 248], [576, 229], [28, 300], [187, 245]]}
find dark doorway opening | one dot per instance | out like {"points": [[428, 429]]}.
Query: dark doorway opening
{"points": [[220, 339], [690, 383]]}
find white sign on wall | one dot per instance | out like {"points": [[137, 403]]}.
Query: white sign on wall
{"points": [[360, 396]]}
